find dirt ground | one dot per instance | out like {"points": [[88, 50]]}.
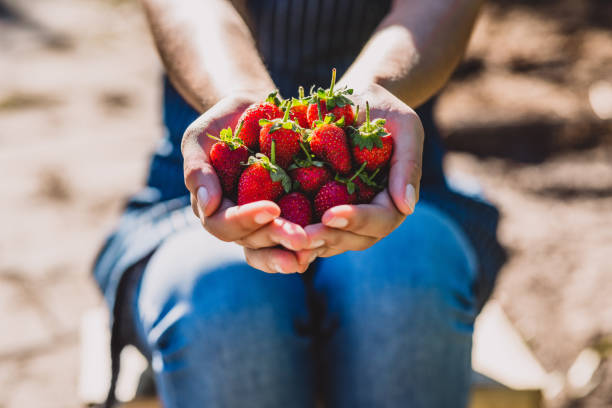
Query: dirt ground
{"points": [[79, 115]]}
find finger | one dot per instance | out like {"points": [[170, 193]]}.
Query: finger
{"points": [[273, 260], [233, 222], [200, 177], [278, 232], [377, 219], [308, 256], [338, 239], [405, 173]]}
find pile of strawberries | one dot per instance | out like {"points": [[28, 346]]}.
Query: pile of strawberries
{"points": [[307, 154]]}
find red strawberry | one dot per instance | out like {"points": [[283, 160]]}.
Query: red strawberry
{"points": [[367, 188], [295, 207], [372, 143], [285, 133], [299, 108], [307, 174], [262, 180], [251, 117], [226, 157], [328, 101], [328, 141], [332, 194], [311, 178]]}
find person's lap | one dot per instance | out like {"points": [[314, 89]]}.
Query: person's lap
{"points": [[221, 333]]}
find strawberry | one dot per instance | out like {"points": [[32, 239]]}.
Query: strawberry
{"points": [[226, 156], [285, 133], [367, 188], [372, 143], [326, 101], [299, 108], [307, 174], [311, 178], [336, 192], [328, 141], [262, 180], [251, 117], [295, 207], [333, 193]]}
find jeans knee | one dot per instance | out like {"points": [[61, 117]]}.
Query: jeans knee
{"points": [[211, 308], [426, 268]]}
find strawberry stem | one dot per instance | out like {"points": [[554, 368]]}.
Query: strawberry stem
{"points": [[239, 128], [273, 152], [319, 110], [374, 174], [214, 137], [287, 109], [307, 154], [333, 82], [368, 117], [301, 92], [358, 171]]}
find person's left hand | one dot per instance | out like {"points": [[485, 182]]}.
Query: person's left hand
{"points": [[358, 227]]}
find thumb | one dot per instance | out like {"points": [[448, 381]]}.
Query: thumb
{"points": [[405, 173], [200, 177]]}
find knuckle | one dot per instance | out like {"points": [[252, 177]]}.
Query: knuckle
{"points": [[414, 168], [248, 257], [359, 222], [190, 173], [194, 206], [364, 244], [333, 239], [190, 136]]}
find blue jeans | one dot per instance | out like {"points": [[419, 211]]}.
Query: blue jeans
{"points": [[222, 334]]}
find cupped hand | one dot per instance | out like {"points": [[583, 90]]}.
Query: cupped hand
{"points": [[358, 227], [256, 226]]}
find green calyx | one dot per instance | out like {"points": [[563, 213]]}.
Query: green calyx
{"points": [[331, 96], [283, 123], [368, 180], [274, 98], [300, 100], [370, 133], [277, 174], [350, 186], [230, 138], [329, 118]]}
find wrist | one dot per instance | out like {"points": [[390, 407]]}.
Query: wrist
{"points": [[256, 90]]}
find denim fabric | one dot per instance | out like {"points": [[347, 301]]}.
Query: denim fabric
{"points": [[222, 334]]}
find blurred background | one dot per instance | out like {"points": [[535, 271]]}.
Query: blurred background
{"points": [[528, 113]]}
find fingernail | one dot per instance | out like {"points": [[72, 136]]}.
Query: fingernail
{"points": [[337, 222], [316, 244], [277, 268], [410, 197], [202, 195], [287, 244], [263, 218]]}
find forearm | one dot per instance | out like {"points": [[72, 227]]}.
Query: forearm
{"points": [[207, 49], [416, 47]]}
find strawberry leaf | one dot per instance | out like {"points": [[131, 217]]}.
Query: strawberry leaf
{"points": [[274, 98], [296, 185], [278, 174]]}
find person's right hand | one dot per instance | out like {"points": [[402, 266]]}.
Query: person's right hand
{"points": [[256, 226]]}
